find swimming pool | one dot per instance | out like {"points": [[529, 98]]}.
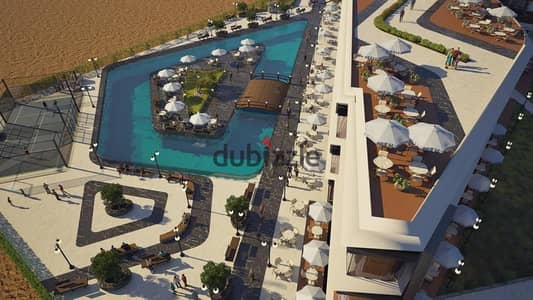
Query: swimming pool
{"points": [[126, 133]]}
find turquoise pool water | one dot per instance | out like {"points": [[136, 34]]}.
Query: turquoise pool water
{"points": [[126, 133]]}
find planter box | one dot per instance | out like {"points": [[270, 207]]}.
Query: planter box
{"points": [[253, 25]]}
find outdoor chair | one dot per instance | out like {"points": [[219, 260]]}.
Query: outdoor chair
{"points": [[381, 172]]}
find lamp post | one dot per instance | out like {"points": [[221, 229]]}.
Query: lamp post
{"points": [[237, 221], [59, 250], [265, 243], [85, 89], [493, 183], [283, 179], [184, 189], [177, 238], [508, 146], [93, 148], [276, 5], [154, 159], [95, 66]]}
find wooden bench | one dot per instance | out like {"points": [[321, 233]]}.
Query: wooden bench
{"points": [[174, 177], [154, 260], [249, 192], [71, 284], [231, 250], [182, 226], [190, 189], [125, 251]]}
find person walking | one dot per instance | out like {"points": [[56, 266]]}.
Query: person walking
{"points": [[46, 188], [177, 281], [296, 172], [412, 4], [184, 280], [173, 289], [449, 58], [402, 13], [56, 194], [62, 189], [456, 54]]}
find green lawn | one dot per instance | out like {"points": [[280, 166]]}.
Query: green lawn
{"points": [[198, 85], [502, 249]]}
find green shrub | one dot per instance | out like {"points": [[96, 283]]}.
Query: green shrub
{"points": [[215, 275], [242, 6], [218, 23], [106, 267], [251, 14], [112, 194]]}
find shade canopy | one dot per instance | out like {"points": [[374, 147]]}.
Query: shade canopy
{"points": [[465, 216], [499, 130], [187, 59], [199, 119], [479, 183], [247, 42], [316, 253], [316, 119], [373, 51], [389, 133], [320, 211], [385, 84], [431, 137], [172, 87], [322, 88], [501, 12], [323, 75], [246, 49], [492, 156], [166, 73], [447, 255], [314, 164], [310, 292], [174, 106], [219, 52], [396, 46]]}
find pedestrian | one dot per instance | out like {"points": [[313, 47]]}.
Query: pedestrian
{"points": [[9, 201], [62, 189], [56, 194], [412, 4], [173, 289], [251, 275], [288, 111], [27, 151], [449, 58], [456, 54], [305, 57], [184, 280], [177, 281], [46, 188], [230, 76], [23, 192], [402, 13], [296, 172]]}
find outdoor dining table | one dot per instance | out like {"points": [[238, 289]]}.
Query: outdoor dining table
{"points": [[455, 8], [499, 33], [418, 168], [485, 22], [317, 231], [288, 234], [382, 108], [476, 26], [411, 112], [475, 14], [383, 162], [284, 269], [463, 4], [299, 205], [509, 29], [311, 274]]}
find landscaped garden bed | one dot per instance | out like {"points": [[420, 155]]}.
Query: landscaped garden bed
{"points": [[199, 87]]}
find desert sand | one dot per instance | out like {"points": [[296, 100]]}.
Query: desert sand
{"points": [[12, 284], [42, 37]]}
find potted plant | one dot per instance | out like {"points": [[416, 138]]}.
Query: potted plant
{"points": [[284, 8], [251, 15], [215, 278], [237, 208], [107, 269], [365, 74], [413, 77], [114, 201], [400, 183]]}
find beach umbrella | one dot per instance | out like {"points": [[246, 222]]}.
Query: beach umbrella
{"points": [[310, 292], [166, 73], [501, 12], [386, 132], [323, 75], [322, 88], [396, 46], [320, 211], [492, 156], [499, 130], [448, 256], [465, 216], [199, 119], [246, 49], [385, 84], [316, 253], [219, 52], [373, 51], [247, 42], [470, 1], [314, 164], [187, 59], [316, 119], [479, 183], [431, 137], [172, 87], [174, 106]]}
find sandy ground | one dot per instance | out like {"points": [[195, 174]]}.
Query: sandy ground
{"points": [[41, 37], [12, 284]]}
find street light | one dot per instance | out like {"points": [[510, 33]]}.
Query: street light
{"points": [[154, 159], [458, 270], [493, 183], [283, 179], [93, 148], [59, 250], [85, 89], [184, 189], [520, 116], [476, 225], [177, 238], [508, 145], [95, 66], [265, 244], [237, 221]]}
